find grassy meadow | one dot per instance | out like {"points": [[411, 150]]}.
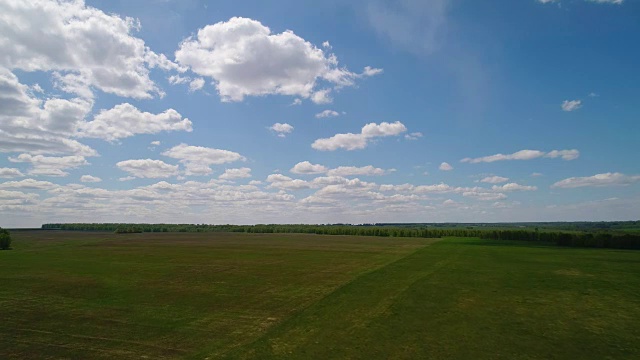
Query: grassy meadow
{"points": [[81, 295]]}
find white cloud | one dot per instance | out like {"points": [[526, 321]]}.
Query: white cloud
{"points": [[384, 129], [35, 126], [369, 71], [484, 196], [155, 143], [605, 179], [245, 58], [177, 79], [617, 2], [525, 155], [36, 88], [437, 188], [322, 97], [28, 184], [368, 170], [90, 179], [564, 154], [196, 84], [232, 174], [281, 129], [126, 120], [350, 141], [347, 141], [513, 187], [445, 167], [279, 181], [50, 165], [83, 46], [8, 173], [494, 179], [413, 136], [536, 174], [327, 113], [148, 168], [306, 167], [296, 102], [571, 105], [198, 159], [15, 198]]}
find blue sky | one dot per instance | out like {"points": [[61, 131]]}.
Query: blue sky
{"points": [[298, 112]]}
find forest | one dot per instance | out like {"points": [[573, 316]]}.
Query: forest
{"points": [[590, 237]]}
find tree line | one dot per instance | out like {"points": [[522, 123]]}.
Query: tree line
{"points": [[596, 239]]}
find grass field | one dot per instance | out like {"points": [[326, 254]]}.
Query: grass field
{"points": [[78, 295]]}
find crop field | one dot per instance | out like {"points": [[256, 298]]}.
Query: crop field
{"points": [[99, 295]]}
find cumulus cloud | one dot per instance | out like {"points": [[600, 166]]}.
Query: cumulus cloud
{"points": [[350, 141], [83, 47], [245, 58], [281, 129], [28, 184], [413, 136], [196, 84], [445, 167], [513, 187], [148, 168], [90, 179], [368, 170], [369, 71], [494, 179], [571, 105], [15, 198], [525, 155], [178, 79], [232, 174], [322, 97], [9, 173], [564, 154], [126, 120], [279, 181], [35, 126], [605, 179], [198, 159], [617, 2], [327, 113], [484, 196], [305, 167], [50, 165]]}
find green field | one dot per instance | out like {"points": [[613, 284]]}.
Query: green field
{"points": [[81, 295]]}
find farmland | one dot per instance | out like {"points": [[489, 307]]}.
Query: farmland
{"points": [[237, 295]]}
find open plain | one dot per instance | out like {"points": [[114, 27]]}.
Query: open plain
{"points": [[79, 295]]}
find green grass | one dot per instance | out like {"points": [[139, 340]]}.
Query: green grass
{"points": [[256, 296]]}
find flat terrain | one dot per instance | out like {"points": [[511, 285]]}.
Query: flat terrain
{"points": [[80, 295]]}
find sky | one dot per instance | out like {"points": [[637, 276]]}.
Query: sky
{"points": [[245, 112]]}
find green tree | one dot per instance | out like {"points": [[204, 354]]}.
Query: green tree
{"points": [[5, 239]]}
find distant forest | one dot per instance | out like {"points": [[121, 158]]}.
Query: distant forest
{"points": [[617, 235]]}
